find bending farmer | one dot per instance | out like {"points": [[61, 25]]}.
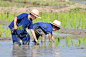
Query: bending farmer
{"points": [[20, 23], [41, 29]]}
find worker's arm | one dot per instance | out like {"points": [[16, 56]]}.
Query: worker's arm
{"points": [[51, 37], [33, 33], [15, 21]]}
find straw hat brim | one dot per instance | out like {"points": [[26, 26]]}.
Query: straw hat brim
{"points": [[55, 25], [32, 14]]}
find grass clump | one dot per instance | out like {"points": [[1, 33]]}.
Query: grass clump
{"points": [[79, 41], [76, 8], [67, 40], [1, 30], [19, 27]]}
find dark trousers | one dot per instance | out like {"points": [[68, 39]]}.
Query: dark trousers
{"points": [[39, 32], [25, 37]]}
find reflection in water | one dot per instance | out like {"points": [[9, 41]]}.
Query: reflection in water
{"points": [[47, 50], [35, 51], [20, 51]]}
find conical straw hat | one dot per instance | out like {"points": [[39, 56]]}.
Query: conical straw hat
{"points": [[35, 12], [56, 23]]}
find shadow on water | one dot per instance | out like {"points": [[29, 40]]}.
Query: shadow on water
{"points": [[46, 49]]}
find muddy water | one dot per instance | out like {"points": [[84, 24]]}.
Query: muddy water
{"points": [[43, 50], [80, 1]]}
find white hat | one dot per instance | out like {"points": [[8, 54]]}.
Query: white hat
{"points": [[35, 12], [56, 23]]}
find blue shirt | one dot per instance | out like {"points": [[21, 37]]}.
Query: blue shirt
{"points": [[24, 21], [47, 27]]}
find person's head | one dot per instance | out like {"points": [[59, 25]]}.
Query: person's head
{"points": [[34, 14], [56, 25]]}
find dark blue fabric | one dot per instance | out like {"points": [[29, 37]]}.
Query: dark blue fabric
{"points": [[24, 21], [15, 36], [47, 27]]}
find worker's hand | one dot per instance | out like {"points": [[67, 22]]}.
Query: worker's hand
{"points": [[37, 43], [14, 28]]}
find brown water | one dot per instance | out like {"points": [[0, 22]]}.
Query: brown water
{"points": [[43, 50]]}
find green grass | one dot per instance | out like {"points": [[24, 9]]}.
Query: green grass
{"points": [[30, 3], [71, 19], [55, 42], [19, 27], [79, 41], [76, 8], [39, 38], [4, 31], [1, 30], [11, 4], [67, 40]]}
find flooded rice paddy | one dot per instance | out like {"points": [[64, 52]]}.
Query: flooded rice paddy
{"points": [[47, 49]]}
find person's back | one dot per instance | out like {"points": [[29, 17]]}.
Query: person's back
{"points": [[42, 28], [46, 27]]}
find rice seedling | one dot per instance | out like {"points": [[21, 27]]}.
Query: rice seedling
{"points": [[44, 2], [71, 19], [48, 43], [79, 41], [56, 43], [1, 30], [83, 41], [10, 17], [67, 40], [72, 41], [58, 38], [19, 27], [39, 39], [11, 4], [4, 31], [76, 8], [63, 44]]}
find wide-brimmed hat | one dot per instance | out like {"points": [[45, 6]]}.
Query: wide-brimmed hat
{"points": [[56, 23], [35, 12]]}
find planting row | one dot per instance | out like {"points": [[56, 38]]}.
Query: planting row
{"points": [[35, 2], [74, 19]]}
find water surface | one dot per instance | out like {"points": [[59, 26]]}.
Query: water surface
{"points": [[43, 50]]}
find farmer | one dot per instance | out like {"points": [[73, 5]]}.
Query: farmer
{"points": [[41, 29], [20, 23]]}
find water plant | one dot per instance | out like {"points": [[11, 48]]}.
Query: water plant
{"points": [[76, 8], [67, 40], [58, 38], [75, 19], [39, 38], [63, 44], [19, 27], [72, 41], [79, 41], [1, 30], [84, 41], [55, 42], [4, 31], [48, 43]]}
